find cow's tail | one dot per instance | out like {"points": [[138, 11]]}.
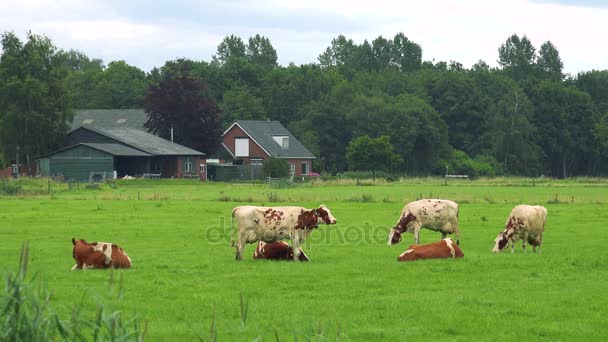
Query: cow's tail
{"points": [[232, 240]]}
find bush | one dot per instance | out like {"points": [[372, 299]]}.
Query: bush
{"points": [[461, 164], [276, 167]]}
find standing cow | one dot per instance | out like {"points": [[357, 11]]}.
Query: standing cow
{"points": [[270, 224], [526, 223], [441, 249], [99, 255], [434, 214]]}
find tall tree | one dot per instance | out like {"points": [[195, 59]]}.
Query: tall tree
{"points": [[549, 62], [517, 57], [373, 154], [35, 107], [339, 53], [231, 47], [407, 55], [239, 104], [182, 103], [261, 52]]}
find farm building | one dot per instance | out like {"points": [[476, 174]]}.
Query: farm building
{"points": [[252, 141], [113, 143]]}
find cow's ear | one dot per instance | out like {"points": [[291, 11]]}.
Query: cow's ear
{"points": [[73, 241]]}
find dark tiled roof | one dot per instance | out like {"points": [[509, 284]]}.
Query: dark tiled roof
{"points": [[110, 118], [117, 149], [263, 131], [144, 141]]}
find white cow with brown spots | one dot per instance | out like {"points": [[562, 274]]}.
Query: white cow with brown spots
{"points": [[270, 224], [434, 214], [526, 223]]}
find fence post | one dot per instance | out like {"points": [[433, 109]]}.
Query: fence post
{"points": [[49, 189], [20, 188]]}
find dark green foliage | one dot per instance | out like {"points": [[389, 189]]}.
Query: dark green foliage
{"points": [[365, 153], [276, 167], [526, 115], [35, 107]]}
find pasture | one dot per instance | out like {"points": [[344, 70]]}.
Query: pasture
{"points": [[184, 276]]}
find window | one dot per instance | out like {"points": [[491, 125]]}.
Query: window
{"points": [[257, 161], [305, 168], [282, 140], [241, 147], [188, 166]]}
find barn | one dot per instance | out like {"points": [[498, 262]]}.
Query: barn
{"points": [[252, 141], [101, 145]]}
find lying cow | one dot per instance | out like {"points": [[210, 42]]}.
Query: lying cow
{"points": [[270, 224], [526, 223], [441, 249], [434, 214], [99, 255], [279, 250]]}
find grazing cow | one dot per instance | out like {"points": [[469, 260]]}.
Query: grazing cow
{"points": [[436, 250], [526, 222], [434, 214], [270, 224], [99, 255], [279, 250]]}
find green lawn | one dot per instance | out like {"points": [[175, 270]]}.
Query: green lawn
{"points": [[177, 234]]}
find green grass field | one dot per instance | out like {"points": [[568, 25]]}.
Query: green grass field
{"points": [[177, 234]]}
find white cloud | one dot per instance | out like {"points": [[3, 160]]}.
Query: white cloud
{"points": [[462, 30]]}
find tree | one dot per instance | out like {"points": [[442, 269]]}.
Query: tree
{"points": [[549, 62], [231, 47], [240, 104], [35, 106], [182, 103], [261, 52], [365, 153], [339, 53], [125, 85], [407, 55], [517, 57], [276, 167]]}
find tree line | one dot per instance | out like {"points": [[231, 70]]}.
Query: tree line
{"points": [[370, 106]]}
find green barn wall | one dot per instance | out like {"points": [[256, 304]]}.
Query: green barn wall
{"points": [[77, 163]]}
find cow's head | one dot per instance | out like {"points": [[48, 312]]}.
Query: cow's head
{"points": [[81, 251], [394, 235], [325, 215], [501, 242]]}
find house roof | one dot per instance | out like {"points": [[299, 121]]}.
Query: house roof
{"points": [[143, 141], [262, 133], [110, 118], [111, 148], [117, 149]]}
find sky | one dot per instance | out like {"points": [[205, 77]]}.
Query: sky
{"points": [[147, 33]]}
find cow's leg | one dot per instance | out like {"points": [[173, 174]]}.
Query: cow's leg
{"points": [[512, 243], [524, 242], [295, 244], [443, 235], [417, 235], [457, 233], [240, 244]]}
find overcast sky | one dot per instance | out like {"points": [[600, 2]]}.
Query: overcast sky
{"points": [[148, 33]]}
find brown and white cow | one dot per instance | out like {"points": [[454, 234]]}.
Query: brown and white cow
{"points": [[445, 248], [526, 223], [279, 250], [270, 224], [99, 255], [434, 214]]}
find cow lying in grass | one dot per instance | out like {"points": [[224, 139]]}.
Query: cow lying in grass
{"points": [[445, 248], [99, 255], [279, 250]]}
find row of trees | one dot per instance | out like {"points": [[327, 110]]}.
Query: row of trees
{"points": [[373, 106]]}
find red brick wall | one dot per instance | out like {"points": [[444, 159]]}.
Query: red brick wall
{"points": [[298, 164], [255, 151]]}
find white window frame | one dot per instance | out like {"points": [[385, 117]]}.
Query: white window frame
{"points": [[241, 147]]}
